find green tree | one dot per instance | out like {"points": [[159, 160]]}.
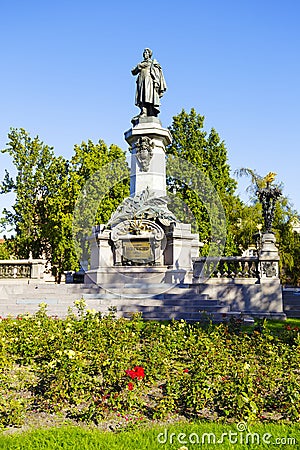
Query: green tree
{"points": [[46, 189], [208, 155], [246, 221], [99, 181], [89, 158], [32, 160], [56, 229], [4, 250], [41, 215]]}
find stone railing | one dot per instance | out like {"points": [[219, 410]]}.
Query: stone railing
{"points": [[227, 267], [22, 268]]}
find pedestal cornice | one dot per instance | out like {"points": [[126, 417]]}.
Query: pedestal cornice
{"points": [[148, 128]]}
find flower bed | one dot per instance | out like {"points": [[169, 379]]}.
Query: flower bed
{"points": [[92, 368]]}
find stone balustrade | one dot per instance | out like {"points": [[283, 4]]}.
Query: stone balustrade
{"points": [[22, 269], [227, 267]]}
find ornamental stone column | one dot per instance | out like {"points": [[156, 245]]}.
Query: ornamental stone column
{"points": [[148, 141]]}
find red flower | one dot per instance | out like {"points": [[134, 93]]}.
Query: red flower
{"points": [[130, 373], [130, 386], [185, 370], [137, 372], [140, 373]]}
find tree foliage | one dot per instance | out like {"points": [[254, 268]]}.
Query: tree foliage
{"points": [[32, 160], [4, 250], [99, 177], [90, 158], [208, 155], [46, 187]]}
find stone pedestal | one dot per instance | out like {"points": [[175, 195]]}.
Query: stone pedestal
{"points": [[38, 267], [269, 273], [182, 246], [101, 250], [101, 255], [148, 140], [268, 258]]}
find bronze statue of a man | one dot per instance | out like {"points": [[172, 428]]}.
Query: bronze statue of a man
{"points": [[150, 85]]}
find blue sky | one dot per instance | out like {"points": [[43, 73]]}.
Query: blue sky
{"points": [[66, 76]]}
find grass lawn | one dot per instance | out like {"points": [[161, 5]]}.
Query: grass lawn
{"points": [[279, 324], [180, 436]]}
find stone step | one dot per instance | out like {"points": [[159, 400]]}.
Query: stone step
{"points": [[185, 295], [151, 301], [292, 302], [40, 290], [95, 301], [35, 297], [174, 315], [158, 310], [141, 286], [293, 293], [295, 307], [292, 313], [149, 308], [141, 294], [37, 301], [199, 316], [159, 299], [132, 296]]}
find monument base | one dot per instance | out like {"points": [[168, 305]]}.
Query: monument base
{"points": [[125, 275], [115, 254]]}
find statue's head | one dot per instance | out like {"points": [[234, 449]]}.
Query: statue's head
{"points": [[147, 50]]}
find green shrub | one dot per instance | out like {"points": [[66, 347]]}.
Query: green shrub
{"points": [[84, 367]]}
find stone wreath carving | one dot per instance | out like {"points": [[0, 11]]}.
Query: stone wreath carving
{"points": [[137, 228], [145, 205]]}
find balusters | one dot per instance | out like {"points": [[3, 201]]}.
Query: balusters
{"points": [[230, 266], [9, 270]]}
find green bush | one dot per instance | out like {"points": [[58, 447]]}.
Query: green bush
{"points": [[89, 367]]}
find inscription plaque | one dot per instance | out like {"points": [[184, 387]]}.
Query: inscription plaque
{"points": [[138, 251]]}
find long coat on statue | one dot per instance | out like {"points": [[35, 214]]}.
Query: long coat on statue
{"points": [[150, 84]]}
